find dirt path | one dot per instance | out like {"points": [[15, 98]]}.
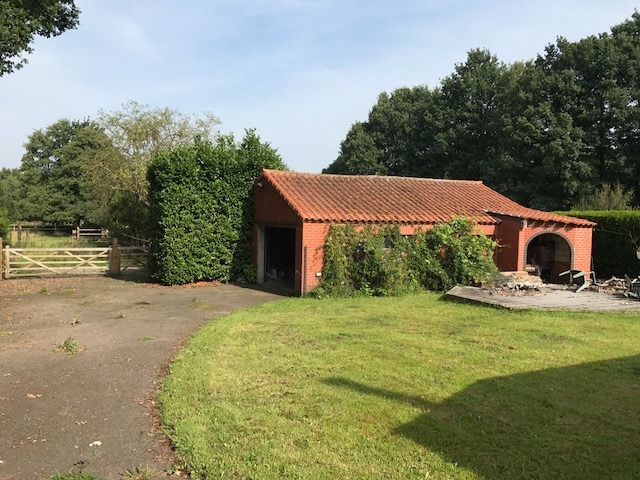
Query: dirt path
{"points": [[93, 410]]}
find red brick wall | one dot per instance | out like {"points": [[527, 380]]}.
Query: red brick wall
{"points": [[579, 239], [511, 233], [583, 244], [514, 236], [313, 238], [271, 209], [508, 254]]}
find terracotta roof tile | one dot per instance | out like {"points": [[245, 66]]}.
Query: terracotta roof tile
{"points": [[349, 198]]}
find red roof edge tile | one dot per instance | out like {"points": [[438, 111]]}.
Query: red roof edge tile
{"points": [[542, 216]]}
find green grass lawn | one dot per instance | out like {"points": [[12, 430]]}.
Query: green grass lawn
{"points": [[411, 387]]}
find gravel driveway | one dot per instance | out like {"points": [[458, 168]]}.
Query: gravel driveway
{"points": [[94, 410]]}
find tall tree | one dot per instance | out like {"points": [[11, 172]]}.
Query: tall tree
{"points": [[597, 83], [55, 191], [12, 192], [585, 87], [540, 163], [626, 40], [546, 132], [472, 103], [5, 224], [399, 137], [404, 126], [117, 173], [359, 154], [22, 20]]}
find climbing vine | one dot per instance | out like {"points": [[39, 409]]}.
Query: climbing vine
{"points": [[379, 261]]}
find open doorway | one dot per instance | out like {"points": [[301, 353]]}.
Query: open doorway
{"points": [[280, 257], [550, 254]]}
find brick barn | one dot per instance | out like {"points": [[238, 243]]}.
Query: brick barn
{"points": [[294, 212]]}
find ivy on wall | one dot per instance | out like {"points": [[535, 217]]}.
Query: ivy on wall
{"points": [[379, 261]]}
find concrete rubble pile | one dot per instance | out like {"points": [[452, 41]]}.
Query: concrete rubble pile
{"points": [[515, 286], [510, 286]]}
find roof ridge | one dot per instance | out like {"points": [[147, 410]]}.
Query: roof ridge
{"points": [[390, 177]]}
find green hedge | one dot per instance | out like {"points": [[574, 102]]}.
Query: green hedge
{"points": [[614, 254], [202, 210]]}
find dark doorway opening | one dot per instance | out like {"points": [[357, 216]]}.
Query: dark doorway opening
{"points": [[550, 254], [280, 257]]}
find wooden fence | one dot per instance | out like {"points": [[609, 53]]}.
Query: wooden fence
{"points": [[90, 232], [47, 262], [21, 232]]}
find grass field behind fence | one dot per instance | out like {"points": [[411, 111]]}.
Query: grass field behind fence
{"points": [[411, 387], [59, 239]]}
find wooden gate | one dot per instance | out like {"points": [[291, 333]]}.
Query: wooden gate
{"points": [[47, 262], [134, 257]]}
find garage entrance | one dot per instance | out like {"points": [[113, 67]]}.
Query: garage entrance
{"points": [[550, 254], [280, 256]]}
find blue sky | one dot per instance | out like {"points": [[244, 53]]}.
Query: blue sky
{"points": [[299, 71]]}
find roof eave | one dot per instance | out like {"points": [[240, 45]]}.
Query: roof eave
{"points": [[580, 222]]}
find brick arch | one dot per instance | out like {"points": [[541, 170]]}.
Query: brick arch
{"points": [[572, 250], [554, 232]]}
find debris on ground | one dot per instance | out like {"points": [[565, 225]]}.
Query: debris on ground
{"points": [[510, 286], [514, 286], [613, 286]]}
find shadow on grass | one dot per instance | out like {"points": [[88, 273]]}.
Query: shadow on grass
{"points": [[576, 422]]}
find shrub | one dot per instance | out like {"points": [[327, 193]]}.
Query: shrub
{"points": [[379, 261], [202, 210], [424, 264], [465, 254], [359, 261], [335, 278], [607, 197], [377, 265]]}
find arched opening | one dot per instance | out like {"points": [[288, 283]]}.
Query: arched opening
{"points": [[550, 254]]}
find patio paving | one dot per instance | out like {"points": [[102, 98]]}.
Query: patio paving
{"points": [[551, 297]]}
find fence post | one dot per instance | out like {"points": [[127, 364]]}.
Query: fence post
{"points": [[114, 257], [6, 262], [0, 258]]}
